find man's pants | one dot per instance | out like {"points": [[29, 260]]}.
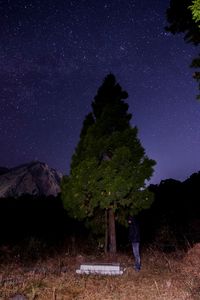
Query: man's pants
{"points": [[136, 253]]}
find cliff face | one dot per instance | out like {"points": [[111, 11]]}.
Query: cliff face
{"points": [[34, 178]]}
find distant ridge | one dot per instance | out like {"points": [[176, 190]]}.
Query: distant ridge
{"points": [[35, 178]]}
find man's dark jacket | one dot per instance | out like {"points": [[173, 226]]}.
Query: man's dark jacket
{"points": [[134, 231]]}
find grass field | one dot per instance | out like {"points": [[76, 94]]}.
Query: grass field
{"points": [[163, 276]]}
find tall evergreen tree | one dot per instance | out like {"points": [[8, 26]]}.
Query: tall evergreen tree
{"points": [[109, 168]]}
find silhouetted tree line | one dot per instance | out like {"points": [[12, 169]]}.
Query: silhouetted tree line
{"points": [[29, 216], [172, 220]]}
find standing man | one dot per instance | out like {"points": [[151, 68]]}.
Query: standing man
{"points": [[134, 237]]}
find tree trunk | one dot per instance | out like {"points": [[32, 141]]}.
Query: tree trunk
{"points": [[111, 231], [106, 232]]}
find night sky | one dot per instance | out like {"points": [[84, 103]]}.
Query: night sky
{"points": [[54, 56]]}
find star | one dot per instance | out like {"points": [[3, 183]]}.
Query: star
{"points": [[53, 58]]}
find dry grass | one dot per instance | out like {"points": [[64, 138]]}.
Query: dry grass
{"points": [[162, 277]]}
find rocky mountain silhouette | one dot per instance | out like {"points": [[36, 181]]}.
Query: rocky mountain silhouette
{"points": [[35, 178]]}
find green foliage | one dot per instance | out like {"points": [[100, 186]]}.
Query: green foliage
{"points": [[195, 9], [184, 16], [180, 19], [109, 167]]}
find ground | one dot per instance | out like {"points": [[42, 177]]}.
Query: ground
{"points": [[163, 276]]}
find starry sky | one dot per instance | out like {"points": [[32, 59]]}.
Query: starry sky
{"points": [[54, 56]]}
